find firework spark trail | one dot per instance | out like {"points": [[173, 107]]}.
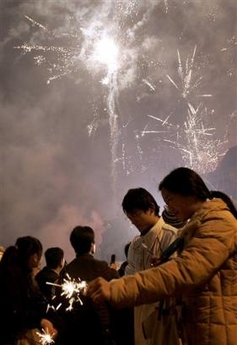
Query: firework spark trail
{"points": [[152, 87], [81, 47], [97, 51], [103, 52], [185, 75], [97, 46], [34, 23], [113, 121], [200, 150]]}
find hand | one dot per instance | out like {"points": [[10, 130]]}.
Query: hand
{"points": [[98, 290], [114, 265], [48, 327], [155, 261]]}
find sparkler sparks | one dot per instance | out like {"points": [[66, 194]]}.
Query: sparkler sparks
{"points": [[45, 338], [71, 289]]}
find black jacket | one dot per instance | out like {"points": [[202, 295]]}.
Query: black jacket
{"points": [[86, 320]]}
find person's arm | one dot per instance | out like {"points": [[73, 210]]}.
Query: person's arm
{"points": [[196, 265]]}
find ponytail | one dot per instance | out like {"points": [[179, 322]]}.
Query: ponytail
{"points": [[226, 199]]}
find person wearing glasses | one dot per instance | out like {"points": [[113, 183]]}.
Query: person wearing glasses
{"points": [[204, 274]]}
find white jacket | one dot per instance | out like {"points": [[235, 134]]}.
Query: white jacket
{"points": [[140, 252]]}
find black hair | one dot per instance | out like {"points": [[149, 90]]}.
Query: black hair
{"points": [[139, 199], [81, 239], [187, 182], [20, 254], [226, 199], [28, 246], [53, 257]]}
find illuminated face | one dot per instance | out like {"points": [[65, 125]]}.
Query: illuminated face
{"points": [[142, 219], [181, 206]]}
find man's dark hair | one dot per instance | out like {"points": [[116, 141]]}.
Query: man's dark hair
{"points": [[81, 239], [53, 257], [139, 199]]}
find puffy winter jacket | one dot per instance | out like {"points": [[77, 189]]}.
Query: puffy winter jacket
{"points": [[205, 274]]}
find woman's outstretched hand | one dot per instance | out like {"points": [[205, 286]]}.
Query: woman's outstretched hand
{"points": [[98, 290]]}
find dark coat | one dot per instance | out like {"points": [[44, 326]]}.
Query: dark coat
{"points": [[44, 276], [21, 303], [87, 321]]}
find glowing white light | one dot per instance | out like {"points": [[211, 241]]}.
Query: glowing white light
{"points": [[45, 338], [106, 52]]}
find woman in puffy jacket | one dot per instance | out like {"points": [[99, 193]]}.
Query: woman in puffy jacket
{"points": [[204, 275]]}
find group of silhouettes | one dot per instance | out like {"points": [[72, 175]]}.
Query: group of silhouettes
{"points": [[177, 285]]}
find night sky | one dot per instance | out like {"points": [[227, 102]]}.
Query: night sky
{"points": [[97, 97]]}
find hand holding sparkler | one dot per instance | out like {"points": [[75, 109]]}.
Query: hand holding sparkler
{"points": [[98, 290], [49, 332], [71, 289], [167, 253], [154, 261], [45, 338]]}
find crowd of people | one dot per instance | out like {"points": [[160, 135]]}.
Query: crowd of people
{"points": [[177, 285]]}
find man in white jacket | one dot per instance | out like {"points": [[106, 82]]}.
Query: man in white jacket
{"points": [[155, 236]]}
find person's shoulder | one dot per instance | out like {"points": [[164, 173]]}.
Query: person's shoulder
{"points": [[46, 274], [71, 264], [134, 240], [167, 227], [41, 272], [103, 269], [100, 263]]}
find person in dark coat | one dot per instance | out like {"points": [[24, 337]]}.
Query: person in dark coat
{"points": [[23, 307], [86, 321], [50, 273]]}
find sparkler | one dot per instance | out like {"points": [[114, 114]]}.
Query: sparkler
{"points": [[71, 289], [45, 338]]}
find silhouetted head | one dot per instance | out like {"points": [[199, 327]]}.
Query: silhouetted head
{"points": [[29, 251], [54, 257], [82, 239]]}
